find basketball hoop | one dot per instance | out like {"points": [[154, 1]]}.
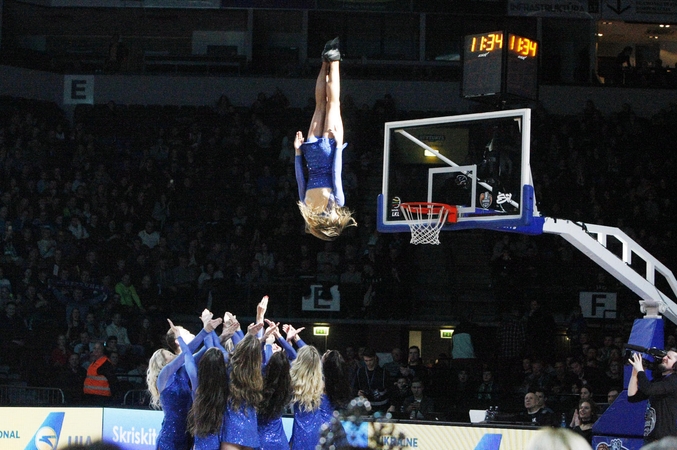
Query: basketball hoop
{"points": [[426, 219]]}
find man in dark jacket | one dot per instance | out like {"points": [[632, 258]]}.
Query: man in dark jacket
{"points": [[372, 382], [661, 393]]}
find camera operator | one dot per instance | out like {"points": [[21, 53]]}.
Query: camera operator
{"points": [[660, 419], [372, 382]]}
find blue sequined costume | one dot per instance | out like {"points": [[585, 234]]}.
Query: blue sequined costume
{"points": [[324, 168], [176, 401], [272, 435], [240, 427], [307, 424], [210, 442]]}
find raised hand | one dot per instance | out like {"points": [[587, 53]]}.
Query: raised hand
{"points": [[212, 324], [229, 329], [254, 328], [261, 309], [636, 362], [172, 328], [270, 331], [292, 333], [298, 140], [277, 333], [205, 317]]}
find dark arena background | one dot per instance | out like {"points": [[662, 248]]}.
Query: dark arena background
{"points": [[147, 172]]}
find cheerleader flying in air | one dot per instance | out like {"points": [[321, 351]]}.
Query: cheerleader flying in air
{"points": [[321, 198]]}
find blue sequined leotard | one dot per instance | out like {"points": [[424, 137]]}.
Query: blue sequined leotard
{"points": [[176, 402], [240, 427], [324, 162], [272, 435], [209, 442], [307, 424]]}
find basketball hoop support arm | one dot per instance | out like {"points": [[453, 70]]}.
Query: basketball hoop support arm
{"points": [[592, 240]]}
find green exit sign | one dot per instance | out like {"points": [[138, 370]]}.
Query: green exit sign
{"points": [[446, 334], [321, 331]]}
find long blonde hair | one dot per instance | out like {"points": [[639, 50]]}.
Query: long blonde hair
{"points": [[246, 380], [156, 362], [306, 378], [322, 225]]}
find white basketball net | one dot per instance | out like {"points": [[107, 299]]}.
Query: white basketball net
{"points": [[425, 222]]}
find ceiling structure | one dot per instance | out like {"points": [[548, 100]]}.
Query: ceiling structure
{"points": [[637, 33]]}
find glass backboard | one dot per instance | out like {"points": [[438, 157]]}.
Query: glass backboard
{"points": [[477, 162]]}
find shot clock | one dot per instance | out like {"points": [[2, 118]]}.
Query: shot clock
{"points": [[499, 64]]}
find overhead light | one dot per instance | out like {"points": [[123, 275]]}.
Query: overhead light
{"points": [[600, 34]]}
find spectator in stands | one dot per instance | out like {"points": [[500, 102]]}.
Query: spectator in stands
{"points": [[612, 395], [129, 298], [461, 341], [462, 392], [538, 378], [94, 327], [415, 367], [13, 335], [100, 386], [71, 378], [587, 414], [393, 366], [83, 347], [149, 236], [397, 397], [534, 413], [540, 331], [124, 345], [488, 391], [76, 325], [76, 300], [183, 280], [372, 382], [511, 336], [418, 406], [60, 353], [4, 282]]}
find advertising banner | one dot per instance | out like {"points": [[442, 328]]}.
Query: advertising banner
{"points": [[458, 438], [554, 8], [49, 428], [132, 429]]}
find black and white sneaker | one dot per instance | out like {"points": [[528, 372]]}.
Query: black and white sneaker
{"points": [[331, 51]]}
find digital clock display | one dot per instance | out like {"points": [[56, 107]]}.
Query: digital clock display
{"points": [[499, 63], [522, 46], [487, 42], [482, 64]]}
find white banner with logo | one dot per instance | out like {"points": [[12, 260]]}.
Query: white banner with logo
{"points": [[48, 428]]}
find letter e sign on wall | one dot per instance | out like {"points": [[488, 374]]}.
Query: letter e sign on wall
{"points": [[78, 89]]}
